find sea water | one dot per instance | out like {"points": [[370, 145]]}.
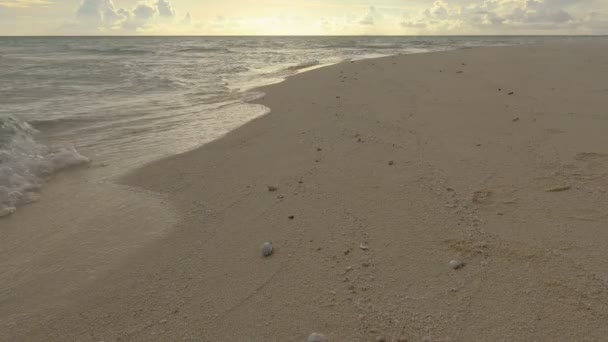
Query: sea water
{"points": [[66, 101]]}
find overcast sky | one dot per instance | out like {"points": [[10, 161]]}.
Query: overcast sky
{"points": [[302, 17]]}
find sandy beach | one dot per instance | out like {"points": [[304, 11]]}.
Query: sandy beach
{"points": [[383, 172]]}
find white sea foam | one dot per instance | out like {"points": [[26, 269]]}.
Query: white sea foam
{"points": [[24, 163], [304, 65]]}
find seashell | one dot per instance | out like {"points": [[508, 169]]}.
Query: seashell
{"points": [[456, 264], [267, 249], [316, 337]]}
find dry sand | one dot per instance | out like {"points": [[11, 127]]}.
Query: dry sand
{"points": [[407, 155]]}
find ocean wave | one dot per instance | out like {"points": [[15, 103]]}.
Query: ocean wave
{"points": [[203, 50], [49, 124], [251, 96], [232, 69], [24, 163], [304, 65], [121, 51], [380, 46]]}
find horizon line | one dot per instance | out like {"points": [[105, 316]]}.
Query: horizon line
{"points": [[304, 36]]}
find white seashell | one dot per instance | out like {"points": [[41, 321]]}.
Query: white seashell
{"points": [[267, 249], [456, 264], [316, 337]]}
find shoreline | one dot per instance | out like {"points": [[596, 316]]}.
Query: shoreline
{"points": [[403, 154]]}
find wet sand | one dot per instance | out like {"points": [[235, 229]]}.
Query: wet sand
{"points": [[389, 169]]}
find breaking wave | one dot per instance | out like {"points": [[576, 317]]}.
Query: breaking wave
{"points": [[24, 163], [203, 50], [304, 65]]}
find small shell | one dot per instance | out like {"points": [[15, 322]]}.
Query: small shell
{"points": [[456, 264], [316, 337], [364, 246], [267, 249], [559, 188]]}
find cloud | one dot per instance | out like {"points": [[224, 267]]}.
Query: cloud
{"points": [[541, 12], [144, 12], [501, 16], [413, 24], [24, 3], [187, 19], [102, 16], [439, 10], [383, 17], [165, 9], [370, 17], [93, 14]]}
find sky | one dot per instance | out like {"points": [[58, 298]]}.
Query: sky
{"points": [[302, 17]]}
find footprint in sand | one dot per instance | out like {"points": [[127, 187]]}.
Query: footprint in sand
{"points": [[556, 181], [591, 156], [554, 131], [494, 197], [592, 166]]}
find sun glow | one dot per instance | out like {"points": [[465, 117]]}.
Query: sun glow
{"points": [[316, 17]]}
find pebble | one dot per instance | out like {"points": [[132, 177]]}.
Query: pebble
{"points": [[456, 264], [364, 246], [316, 337], [291, 217], [267, 249], [515, 119], [272, 188], [280, 197], [511, 93], [391, 163]]}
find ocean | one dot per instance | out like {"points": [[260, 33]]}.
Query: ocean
{"points": [[125, 101]]}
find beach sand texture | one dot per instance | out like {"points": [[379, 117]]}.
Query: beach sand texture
{"points": [[384, 171]]}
